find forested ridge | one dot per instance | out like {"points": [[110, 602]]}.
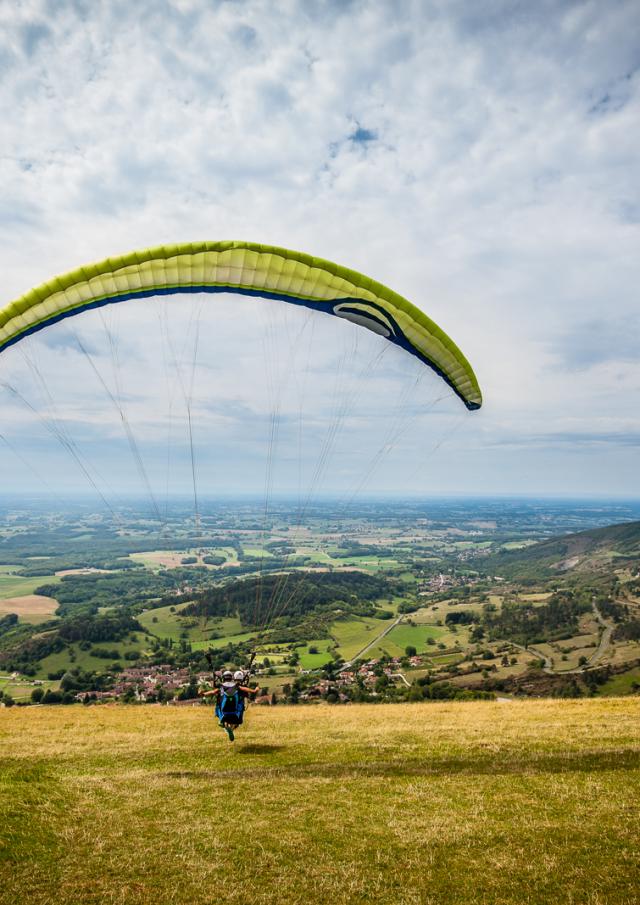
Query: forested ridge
{"points": [[293, 596]]}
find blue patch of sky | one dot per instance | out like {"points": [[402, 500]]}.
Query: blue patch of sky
{"points": [[629, 212], [275, 96], [245, 35], [598, 341], [616, 94], [359, 136], [362, 136], [32, 35], [18, 213]]}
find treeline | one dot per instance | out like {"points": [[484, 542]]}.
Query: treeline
{"points": [[8, 622], [348, 548], [526, 624], [28, 645], [98, 590], [98, 547], [24, 653], [628, 631], [109, 627], [12, 634]]}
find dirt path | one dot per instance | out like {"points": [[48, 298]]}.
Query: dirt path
{"points": [[603, 647], [548, 662], [605, 637], [400, 675]]}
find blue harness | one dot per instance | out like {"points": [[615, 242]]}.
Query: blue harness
{"points": [[230, 706]]}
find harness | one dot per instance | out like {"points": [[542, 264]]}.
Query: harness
{"points": [[230, 702]]}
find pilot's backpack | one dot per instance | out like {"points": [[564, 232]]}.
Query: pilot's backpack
{"points": [[230, 704]]}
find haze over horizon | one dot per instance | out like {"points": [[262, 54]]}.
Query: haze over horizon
{"points": [[480, 160]]}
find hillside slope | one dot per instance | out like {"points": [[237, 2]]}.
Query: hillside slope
{"points": [[596, 550], [415, 804]]}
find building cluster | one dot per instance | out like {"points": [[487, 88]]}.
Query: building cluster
{"points": [[145, 683], [366, 673], [443, 580]]}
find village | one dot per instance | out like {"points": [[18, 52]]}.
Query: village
{"points": [[178, 686], [367, 674], [445, 581]]}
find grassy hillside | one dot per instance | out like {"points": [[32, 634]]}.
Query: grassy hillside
{"points": [[528, 802], [16, 586], [594, 550]]}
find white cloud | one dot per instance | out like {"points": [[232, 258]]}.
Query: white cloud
{"points": [[498, 189]]}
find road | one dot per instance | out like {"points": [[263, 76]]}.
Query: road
{"points": [[603, 646], [598, 654], [371, 644], [605, 637]]}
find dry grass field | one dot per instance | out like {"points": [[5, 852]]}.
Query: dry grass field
{"points": [[30, 608], [478, 803]]}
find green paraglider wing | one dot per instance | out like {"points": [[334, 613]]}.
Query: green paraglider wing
{"points": [[250, 269]]}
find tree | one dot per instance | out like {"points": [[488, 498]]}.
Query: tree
{"points": [[51, 697], [382, 683], [189, 693], [415, 693], [410, 650], [68, 682], [37, 694]]}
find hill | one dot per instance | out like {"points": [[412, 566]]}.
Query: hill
{"points": [[530, 802], [595, 550]]}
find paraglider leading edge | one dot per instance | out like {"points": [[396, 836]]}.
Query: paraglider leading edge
{"points": [[249, 269]]}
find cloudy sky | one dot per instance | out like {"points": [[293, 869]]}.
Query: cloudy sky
{"points": [[481, 158]]}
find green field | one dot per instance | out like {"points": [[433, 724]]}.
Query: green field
{"points": [[351, 635], [21, 690], [622, 684], [163, 622], [366, 563], [84, 658], [222, 642], [315, 661], [404, 635], [258, 551], [16, 586], [524, 803]]}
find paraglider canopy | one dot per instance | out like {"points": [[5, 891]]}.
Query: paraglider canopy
{"points": [[249, 269]]}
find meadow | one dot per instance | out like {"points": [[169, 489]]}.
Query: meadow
{"points": [[17, 586], [482, 803]]}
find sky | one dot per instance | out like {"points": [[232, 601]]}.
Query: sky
{"points": [[480, 158]]}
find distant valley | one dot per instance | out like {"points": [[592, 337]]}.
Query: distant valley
{"points": [[393, 601]]}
